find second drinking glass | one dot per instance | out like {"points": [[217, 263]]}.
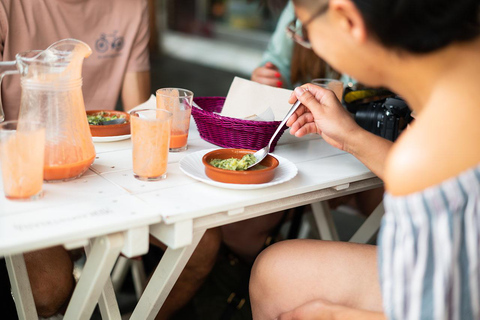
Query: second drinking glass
{"points": [[179, 103], [332, 84], [150, 140]]}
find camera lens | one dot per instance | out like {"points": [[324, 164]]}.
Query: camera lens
{"points": [[371, 118]]}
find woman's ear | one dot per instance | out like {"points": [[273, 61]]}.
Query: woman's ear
{"points": [[346, 14]]}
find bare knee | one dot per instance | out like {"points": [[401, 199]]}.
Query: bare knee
{"points": [[50, 274], [264, 279]]}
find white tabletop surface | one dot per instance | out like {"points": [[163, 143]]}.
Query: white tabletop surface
{"points": [[107, 198]]}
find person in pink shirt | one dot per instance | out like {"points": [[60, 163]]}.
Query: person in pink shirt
{"points": [[117, 32]]}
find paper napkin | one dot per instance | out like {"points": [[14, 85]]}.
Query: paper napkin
{"points": [[251, 100]]}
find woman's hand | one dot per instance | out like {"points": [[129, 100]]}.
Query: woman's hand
{"points": [[321, 113], [269, 75]]}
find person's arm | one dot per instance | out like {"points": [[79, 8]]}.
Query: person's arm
{"points": [[135, 89], [322, 113], [370, 149], [280, 48], [322, 310], [136, 82]]}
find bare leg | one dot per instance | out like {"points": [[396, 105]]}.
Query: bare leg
{"points": [[246, 238], [194, 274], [50, 273], [291, 273]]}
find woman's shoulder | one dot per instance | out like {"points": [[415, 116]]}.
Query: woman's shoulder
{"points": [[439, 145]]}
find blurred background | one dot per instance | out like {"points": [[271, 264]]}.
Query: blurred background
{"points": [[202, 44]]}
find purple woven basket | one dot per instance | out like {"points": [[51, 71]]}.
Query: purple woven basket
{"points": [[231, 132]]}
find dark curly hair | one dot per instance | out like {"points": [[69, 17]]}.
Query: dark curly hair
{"points": [[417, 26]]}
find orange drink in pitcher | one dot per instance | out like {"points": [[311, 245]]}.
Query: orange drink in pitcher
{"points": [[150, 138]]}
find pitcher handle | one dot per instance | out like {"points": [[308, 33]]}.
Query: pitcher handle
{"points": [[6, 64]]}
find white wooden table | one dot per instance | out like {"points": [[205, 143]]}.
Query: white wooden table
{"points": [[109, 211]]}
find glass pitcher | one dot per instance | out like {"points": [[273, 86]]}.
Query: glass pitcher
{"points": [[51, 82]]}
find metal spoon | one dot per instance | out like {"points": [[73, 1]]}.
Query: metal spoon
{"points": [[262, 153], [113, 121]]}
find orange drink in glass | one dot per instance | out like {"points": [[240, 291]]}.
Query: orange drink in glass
{"points": [[150, 138], [22, 148], [179, 103]]}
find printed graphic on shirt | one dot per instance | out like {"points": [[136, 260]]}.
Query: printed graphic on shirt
{"points": [[109, 45]]}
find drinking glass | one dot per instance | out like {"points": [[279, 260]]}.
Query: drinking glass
{"points": [[22, 152], [150, 139], [332, 84], [179, 103]]}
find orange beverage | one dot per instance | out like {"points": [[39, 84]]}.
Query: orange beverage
{"points": [[179, 103], [178, 140], [22, 150], [64, 161], [71, 170], [150, 139]]}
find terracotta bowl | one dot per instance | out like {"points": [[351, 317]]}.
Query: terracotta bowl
{"points": [[255, 175], [111, 129]]}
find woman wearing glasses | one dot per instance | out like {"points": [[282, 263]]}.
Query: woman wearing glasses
{"points": [[426, 265]]}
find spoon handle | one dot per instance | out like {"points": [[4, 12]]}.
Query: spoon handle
{"points": [[280, 126]]}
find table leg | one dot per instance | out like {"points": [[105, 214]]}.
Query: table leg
{"points": [[370, 227], [96, 271], [107, 302], [164, 278], [324, 220], [22, 292]]}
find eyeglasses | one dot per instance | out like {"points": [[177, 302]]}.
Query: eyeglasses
{"points": [[299, 33]]}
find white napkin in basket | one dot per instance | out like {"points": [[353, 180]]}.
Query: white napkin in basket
{"points": [[251, 101]]}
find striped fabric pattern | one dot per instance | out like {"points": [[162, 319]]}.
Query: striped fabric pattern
{"points": [[429, 252]]}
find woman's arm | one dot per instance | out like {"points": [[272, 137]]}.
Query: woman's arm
{"points": [[135, 89], [280, 47], [370, 149], [322, 113]]}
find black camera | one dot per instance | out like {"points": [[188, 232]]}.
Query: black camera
{"points": [[379, 111]]}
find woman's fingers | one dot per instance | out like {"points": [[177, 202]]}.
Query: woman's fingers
{"points": [[268, 75], [305, 124], [268, 81]]}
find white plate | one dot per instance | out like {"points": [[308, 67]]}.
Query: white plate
{"points": [[193, 167], [111, 138]]}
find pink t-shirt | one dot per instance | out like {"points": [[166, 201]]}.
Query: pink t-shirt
{"points": [[116, 30]]}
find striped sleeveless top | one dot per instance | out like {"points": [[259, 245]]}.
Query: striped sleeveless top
{"points": [[429, 251]]}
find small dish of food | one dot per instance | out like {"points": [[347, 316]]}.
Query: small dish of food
{"points": [[108, 123], [229, 166]]}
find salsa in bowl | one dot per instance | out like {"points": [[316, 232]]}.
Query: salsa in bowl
{"points": [[231, 173]]}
